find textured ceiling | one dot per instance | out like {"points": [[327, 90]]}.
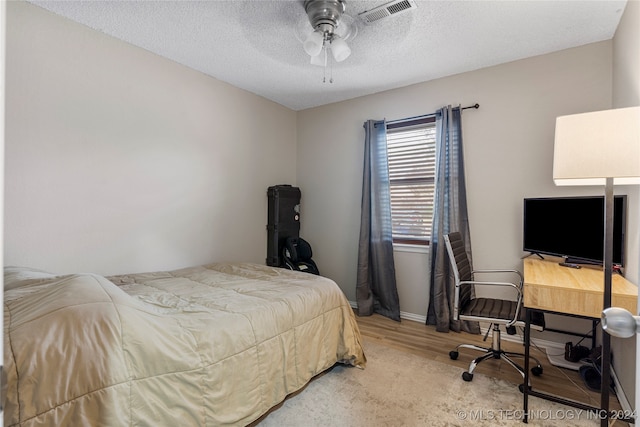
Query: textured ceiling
{"points": [[253, 45]]}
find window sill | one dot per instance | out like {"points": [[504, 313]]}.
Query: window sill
{"points": [[405, 247]]}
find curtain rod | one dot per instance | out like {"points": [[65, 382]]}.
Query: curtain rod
{"points": [[426, 116]]}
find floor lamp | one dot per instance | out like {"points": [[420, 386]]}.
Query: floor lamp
{"points": [[600, 148]]}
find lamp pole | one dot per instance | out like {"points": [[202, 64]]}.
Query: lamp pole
{"points": [[608, 274]]}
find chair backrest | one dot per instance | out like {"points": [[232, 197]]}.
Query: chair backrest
{"points": [[461, 270]]}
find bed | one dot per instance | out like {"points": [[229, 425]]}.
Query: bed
{"points": [[218, 344]]}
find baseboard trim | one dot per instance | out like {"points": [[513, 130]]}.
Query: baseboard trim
{"points": [[403, 314], [413, 317]]}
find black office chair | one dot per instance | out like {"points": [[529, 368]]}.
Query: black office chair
{"points": [[495, 311]]}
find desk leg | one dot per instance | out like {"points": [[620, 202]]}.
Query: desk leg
{"points": [[525, 386]]}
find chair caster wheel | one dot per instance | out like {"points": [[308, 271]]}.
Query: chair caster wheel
{"points": [[453, 355], [467, 376], [536, 371], [521, 388]]}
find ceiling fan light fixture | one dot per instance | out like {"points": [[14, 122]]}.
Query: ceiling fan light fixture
{"points": [[314, 43], [330, 29], [339, 49], [320, 59]]}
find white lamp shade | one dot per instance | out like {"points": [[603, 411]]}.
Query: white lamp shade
{"points": [[339, 49], [591, 147], [313, 44]]}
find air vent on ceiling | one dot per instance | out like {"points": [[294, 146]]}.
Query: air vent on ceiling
{"points": [[392, 8]]}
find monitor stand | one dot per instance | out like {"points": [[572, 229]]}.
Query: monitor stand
{"points": [[533, 253]]}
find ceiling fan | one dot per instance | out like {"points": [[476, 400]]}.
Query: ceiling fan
{"points": [[330, 30]]}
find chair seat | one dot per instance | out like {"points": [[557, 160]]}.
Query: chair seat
{"points": [[490, 308]]}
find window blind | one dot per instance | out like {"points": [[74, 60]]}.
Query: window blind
{"points": [[411, 156]]}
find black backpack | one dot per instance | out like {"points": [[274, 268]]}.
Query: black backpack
{"points": [[296, 255]]}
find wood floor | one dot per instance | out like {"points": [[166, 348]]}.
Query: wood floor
{"points": [[424, 341]]}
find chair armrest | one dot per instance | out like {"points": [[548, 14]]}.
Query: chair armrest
{"points": [[520, 275], [475, 282], [518, 289]]}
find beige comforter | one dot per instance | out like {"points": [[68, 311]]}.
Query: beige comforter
{"points": [[214, 345]]}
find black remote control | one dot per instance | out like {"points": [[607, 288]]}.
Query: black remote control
{"points": [[569, 264]]}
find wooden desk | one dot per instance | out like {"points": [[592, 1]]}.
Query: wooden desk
{"points": [[551, 288]]}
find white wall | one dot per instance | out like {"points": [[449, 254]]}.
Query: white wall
{"points": [[626, 93], [508, 145], [626, 58], [3, 15], [118, 160]]}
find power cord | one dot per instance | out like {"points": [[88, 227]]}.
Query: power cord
{"points": [[578, 386]]}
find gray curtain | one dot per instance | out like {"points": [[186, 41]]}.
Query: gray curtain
{"points": [[376, 290], [450, 214]]}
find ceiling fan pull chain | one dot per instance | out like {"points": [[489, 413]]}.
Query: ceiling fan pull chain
{"points": [[330, 28], [324, 69], [331, 72]]}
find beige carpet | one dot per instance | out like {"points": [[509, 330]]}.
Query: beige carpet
{"points": [[401, 389]]}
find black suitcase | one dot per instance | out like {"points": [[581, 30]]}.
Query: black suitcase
{"points": [[283, 220]]}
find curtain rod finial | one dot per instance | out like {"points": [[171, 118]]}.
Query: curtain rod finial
{"points": [[476, 106]]}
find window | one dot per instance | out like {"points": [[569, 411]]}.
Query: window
{"points": [[411, 149]]}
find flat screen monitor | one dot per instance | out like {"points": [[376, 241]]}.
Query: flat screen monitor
{"points": [[573, 227]]}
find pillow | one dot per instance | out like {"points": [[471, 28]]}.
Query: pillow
{"points": [[15, 277]]}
